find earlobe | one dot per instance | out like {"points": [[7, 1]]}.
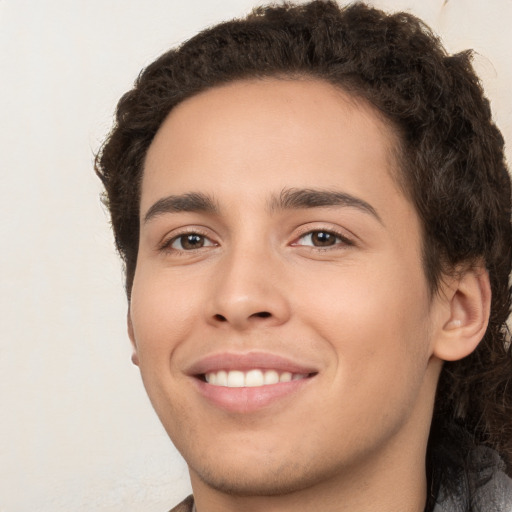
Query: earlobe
{"points": [[131, 335], [467, 315]]}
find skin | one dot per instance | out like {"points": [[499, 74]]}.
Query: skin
{"points": [[359, 311]]}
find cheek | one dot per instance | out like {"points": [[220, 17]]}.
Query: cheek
{"points": [[163, 310], [373, 317]]}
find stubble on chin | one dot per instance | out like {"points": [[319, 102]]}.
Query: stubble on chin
{"points": [[265, 480]]}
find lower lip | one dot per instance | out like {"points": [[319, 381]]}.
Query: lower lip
{"points": [[249, 399]]}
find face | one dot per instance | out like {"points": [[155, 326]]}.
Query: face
{"points": [[280, 314]]}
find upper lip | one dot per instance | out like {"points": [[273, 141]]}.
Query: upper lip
{"points": [[248, 361]]}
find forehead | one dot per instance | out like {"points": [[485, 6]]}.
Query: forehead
{"points": [[259, 135]]}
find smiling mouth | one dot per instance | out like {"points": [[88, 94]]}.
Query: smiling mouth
{"points": [[251, 378]]}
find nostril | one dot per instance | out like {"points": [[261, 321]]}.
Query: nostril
{"points": [[262, 314], [227, 319]]}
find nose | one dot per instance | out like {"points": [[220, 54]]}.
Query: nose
{"points": [[248, 292]]}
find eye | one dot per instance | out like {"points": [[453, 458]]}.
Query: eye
{"points": [[189, 242], [321, 238]]}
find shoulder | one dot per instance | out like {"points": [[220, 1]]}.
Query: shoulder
{"points": [[495, 490], [187, 505], [492, 488], [487, 488]]}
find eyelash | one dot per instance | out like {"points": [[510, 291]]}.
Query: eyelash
{"points": [[167, 244], [339, 240]]}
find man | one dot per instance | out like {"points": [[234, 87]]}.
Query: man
{"points": [[314, 213]]}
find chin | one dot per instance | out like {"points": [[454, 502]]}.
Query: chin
{"points": [[259, 480]]}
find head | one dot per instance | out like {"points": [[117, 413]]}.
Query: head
{"points": [[442, 151]]}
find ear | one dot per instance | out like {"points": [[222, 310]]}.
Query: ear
{"points": [[131, 335], [465, 315]]}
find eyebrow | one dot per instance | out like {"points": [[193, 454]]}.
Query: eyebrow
{"points": [[191, 202], [288, 199], [296, 199]]}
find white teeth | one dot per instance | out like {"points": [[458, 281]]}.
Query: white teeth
{"points": [[254, 378], [236, 379], [251, 378], [271, 377], [221, 379], [285, 377]]}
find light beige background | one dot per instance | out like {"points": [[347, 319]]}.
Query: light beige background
{"points": [[77, 432]]}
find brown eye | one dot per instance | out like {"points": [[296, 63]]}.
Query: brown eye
{"points": [[321, 238], [190, 241]]}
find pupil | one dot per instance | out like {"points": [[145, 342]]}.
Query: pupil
{"points": [[192, 241], [324, 239]]}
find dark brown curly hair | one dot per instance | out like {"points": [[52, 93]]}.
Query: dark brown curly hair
{"points": [[451, 155]]}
